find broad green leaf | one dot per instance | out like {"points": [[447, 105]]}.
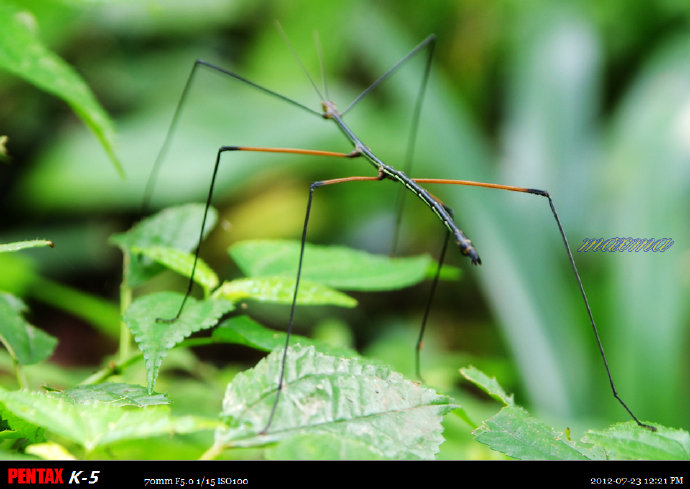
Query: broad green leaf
{"points": [[115, 394], [26, 343], [357, 401], [13, 427], [174, 227], [280, 290], [95, 424], [243, 330], [512, 431], [335, 266], [627, 441], [23, 54], [22, 245], [182, 263], [156, 338], [488, 384], [322, 446], [8, 433]]}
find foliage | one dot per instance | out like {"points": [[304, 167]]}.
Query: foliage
{"points": [[514, 432], [332, 405], [91, 424], [25, 343], [24, 55], [364, 401], [364, 405], [336, 266]]}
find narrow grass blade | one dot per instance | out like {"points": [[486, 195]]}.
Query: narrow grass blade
{"points": [[22, 245]]}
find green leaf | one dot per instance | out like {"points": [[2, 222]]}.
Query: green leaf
{"points": [[322, 446], [155, 338], [13, 427], [23, 54], [448, 272], [335, 266], [512, 431], [182, 263], [174, 227], [627, 441], [22, 245], [280, 290], [115, 394], [357, 401], [243, 330], [95, 424], [26, 343], [488, 384]]}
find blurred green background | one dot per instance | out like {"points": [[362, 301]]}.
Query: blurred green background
{"points": [[588, 100]]}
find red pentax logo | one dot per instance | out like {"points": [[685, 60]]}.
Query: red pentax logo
{"points": [[34, 476]]}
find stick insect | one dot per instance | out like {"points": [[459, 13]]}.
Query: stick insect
{"points": [[383, 171]]}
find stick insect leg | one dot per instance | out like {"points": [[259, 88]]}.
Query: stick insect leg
{"points": [[198, 65], [313, 186], [411, 143], [209, 197], [430, 299], [544, 193], [427, 309], [427, 44], [303, 242]]}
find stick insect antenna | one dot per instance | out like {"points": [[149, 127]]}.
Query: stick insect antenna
{"points": [[298, 59]]}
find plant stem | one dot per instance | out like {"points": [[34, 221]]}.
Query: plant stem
{"points": [[125, 301], [116, 368], [112, 369], [21, 376], [213, 451]]}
